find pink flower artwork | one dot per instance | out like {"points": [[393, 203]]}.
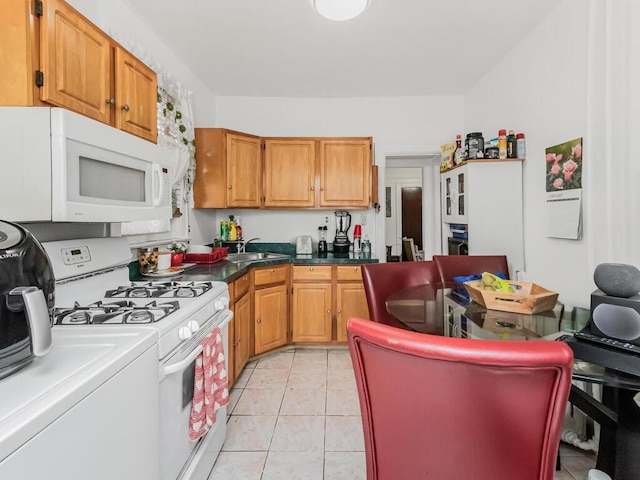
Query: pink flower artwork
{"points": [[567, 174]]}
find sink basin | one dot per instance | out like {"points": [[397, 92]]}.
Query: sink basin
{"points": [[247, 257]]}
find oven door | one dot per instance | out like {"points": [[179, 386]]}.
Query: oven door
{"points": [[181, 458]]}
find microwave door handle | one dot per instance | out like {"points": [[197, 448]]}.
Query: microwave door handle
{"points": [[158, 184], [38, 318]]}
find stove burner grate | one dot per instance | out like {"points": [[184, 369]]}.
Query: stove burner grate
{"points": [[171, 289], [114, 312]]}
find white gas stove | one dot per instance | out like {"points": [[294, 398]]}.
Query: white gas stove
{"points": [[93, 292]]}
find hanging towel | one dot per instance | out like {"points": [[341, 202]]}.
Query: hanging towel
{"points": [[210, 387]]}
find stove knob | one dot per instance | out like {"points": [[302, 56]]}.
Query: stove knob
{"points": [[184, 333], [221, 303], [193, 326]]}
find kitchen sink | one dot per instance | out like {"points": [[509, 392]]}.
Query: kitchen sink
{"points": [[247, 257]]}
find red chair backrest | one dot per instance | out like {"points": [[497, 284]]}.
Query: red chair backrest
{"points": [[458, 409], [450, 266], [382, 279]]}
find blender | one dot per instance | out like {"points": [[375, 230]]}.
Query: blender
{"points": [[341, 243], [322, 241]]}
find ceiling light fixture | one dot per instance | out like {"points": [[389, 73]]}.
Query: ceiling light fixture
{"points": [[340, 10]]}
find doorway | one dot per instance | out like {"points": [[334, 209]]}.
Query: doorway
{"points": [[411, 205], [420, 176]]}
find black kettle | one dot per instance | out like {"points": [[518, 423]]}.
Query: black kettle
{"points": [[27, 297]]}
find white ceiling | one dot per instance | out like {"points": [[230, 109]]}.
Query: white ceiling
{"points": [[396, 48]]}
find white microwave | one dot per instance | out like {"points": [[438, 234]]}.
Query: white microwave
{"points": [[64, 167]]}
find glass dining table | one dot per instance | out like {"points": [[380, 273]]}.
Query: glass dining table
{"points": [[427, 309]]}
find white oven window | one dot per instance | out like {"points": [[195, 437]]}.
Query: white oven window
{"points": [[108, 181]]}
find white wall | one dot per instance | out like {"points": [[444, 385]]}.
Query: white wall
{"points": [[560, 83], [398, 125]]}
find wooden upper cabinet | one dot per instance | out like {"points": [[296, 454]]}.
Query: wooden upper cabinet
{"points": [[345, 172], [289, 172], [76, 60], [244, 171], [229, 169], [60, 58], [136, 96]]}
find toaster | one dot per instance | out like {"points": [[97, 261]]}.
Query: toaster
{"points": [[304, 245]]}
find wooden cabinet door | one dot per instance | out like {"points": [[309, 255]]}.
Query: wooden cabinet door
{"points": [[289, 172], [136, 97], [244, 171], [230, 354], [311, 312], [351, 302], [242, 342], [270, 318], [345, 172], [77, 62]]}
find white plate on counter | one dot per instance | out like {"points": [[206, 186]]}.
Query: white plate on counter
{"points": [[169, 272]]}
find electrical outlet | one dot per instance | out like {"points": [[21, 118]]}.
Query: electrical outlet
{"points": [[363, 220]]}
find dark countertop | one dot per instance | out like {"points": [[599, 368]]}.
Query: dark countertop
{"points": [[226, 271]]}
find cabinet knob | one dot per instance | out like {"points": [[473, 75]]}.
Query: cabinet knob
{"points": [[312, 189], [271, 270], [311, 269], [125, 107], [339, 311], [111, 101], [258, 320], [355, 269], [328, 311], [229, 187]]}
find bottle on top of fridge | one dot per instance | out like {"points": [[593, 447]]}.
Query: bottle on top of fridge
{"points": [[502, 144], [520, 147], [511, 145]]}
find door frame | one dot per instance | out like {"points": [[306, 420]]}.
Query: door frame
{"points": [[426, 157]]}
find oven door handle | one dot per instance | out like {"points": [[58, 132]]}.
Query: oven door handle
{"points": [[178, 366]]}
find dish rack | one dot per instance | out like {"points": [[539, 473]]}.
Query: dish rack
{"points": [[217, 254]]}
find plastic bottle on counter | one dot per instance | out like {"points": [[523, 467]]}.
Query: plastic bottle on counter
{"points": [[233, 232], [502, 144], [224, 231], [520, 146], [511, 145], [238, 228], [357, 242], [366, 247]]}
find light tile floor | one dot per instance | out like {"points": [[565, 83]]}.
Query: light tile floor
{"points": [[295, 415]]}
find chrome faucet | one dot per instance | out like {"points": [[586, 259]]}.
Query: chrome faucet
{"points": [[242, 244]]}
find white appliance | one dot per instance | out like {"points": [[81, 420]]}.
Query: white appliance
{"points": [[304, 245], [64, 167], [93, 292]]}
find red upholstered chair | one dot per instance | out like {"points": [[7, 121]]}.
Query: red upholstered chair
{"points": [[382, 279], [450, 266], [445, 408]]}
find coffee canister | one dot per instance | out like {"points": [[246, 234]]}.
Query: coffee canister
{"points": [[475, 145]]}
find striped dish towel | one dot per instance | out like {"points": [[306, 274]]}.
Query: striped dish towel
{"points": [[210, 387]]}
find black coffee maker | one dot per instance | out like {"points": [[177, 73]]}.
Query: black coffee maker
{"points": [[341, 243], [26, 298]]}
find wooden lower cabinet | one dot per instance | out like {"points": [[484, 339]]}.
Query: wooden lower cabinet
{"points": [[242, 332], [312, 312], [351, 302], [271, 308], [239, 328], [324, 298]]}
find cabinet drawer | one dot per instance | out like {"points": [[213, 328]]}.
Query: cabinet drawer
{"points": [[311, 272], [241, 286], [348, 272], [265, 276]]}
